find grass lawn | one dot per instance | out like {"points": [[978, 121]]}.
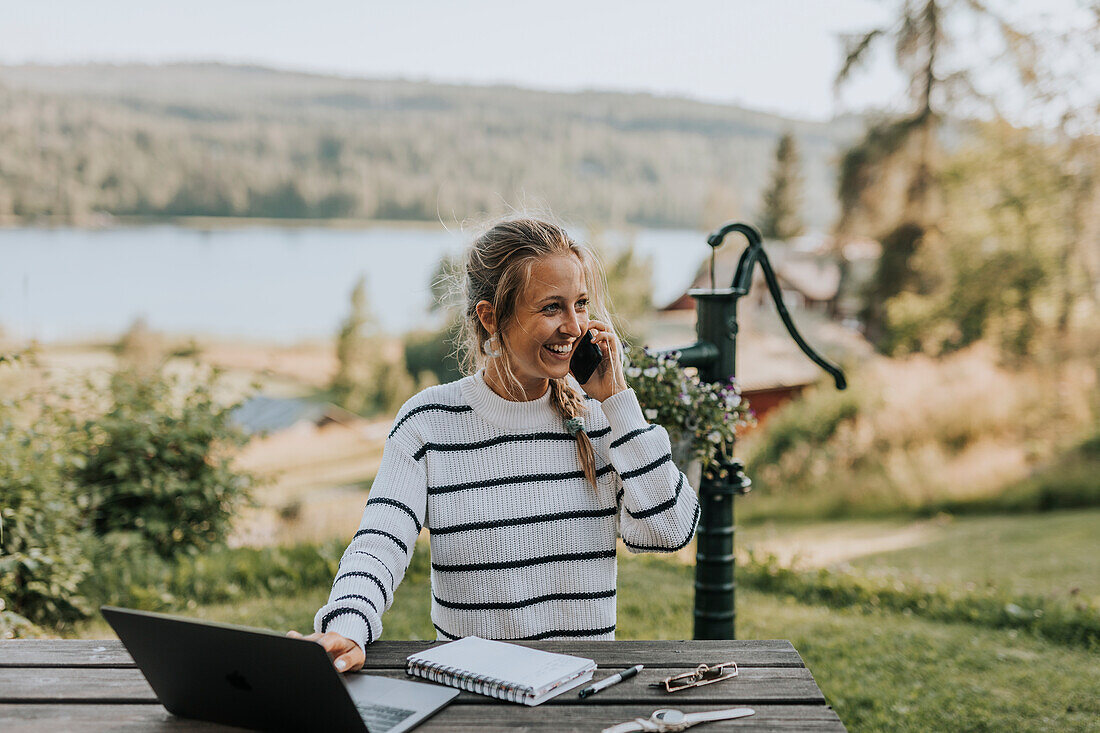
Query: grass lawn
{"points": [[1048, 553], [1041, 554], [890, 672], [881, 671]]}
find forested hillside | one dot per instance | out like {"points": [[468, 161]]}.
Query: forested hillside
{"points": [[217, 140]]}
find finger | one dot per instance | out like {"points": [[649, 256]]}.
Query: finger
{"points": [[608, 342], [349, 662], [296, 635], [335, 644]]}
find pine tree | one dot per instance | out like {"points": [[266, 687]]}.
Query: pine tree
{"points": [[781, 219], [352, 350], [371, 376]]}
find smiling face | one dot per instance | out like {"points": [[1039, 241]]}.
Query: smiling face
{"points": [[551, 315]]}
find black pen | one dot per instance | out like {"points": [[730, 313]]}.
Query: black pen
{"points": [[612, 680]]}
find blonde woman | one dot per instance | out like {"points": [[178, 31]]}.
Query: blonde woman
{"points": [[523, 477]]}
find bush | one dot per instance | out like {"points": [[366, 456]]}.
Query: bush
{"points": [[158, 463], [219, 576], [147, 479], [804, 424], [41, 563], [14, 626]]}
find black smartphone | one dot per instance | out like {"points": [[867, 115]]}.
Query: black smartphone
{"points": [[586, 357]]}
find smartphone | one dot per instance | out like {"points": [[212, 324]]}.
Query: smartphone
{"points": [[586, 357]]}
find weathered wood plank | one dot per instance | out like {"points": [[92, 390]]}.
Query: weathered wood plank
{"points": [[391, 654], [64, 653], [752, 685], [457, 718], [61, 685], [53, 718]]}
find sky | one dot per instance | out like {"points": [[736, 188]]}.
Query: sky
{"points": [[775, 55]]}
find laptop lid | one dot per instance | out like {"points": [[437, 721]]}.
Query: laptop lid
{"points": [[245, 677]]}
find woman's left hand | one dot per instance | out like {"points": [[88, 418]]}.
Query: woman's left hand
{"points": [[608, 379]]}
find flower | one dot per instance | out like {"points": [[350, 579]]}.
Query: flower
{"points": [[702, 416]]}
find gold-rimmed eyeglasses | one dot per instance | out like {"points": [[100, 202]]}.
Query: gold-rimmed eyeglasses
{"points": [[704, 674]]}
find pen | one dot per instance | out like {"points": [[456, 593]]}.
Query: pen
{"points": [[612, 680]]}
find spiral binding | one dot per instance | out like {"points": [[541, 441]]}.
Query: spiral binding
{"points": [[481, 684]]}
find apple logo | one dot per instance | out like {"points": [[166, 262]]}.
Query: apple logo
{"points": [[236, 679]]}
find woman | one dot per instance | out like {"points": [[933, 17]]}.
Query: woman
{"points": [[523, 479]]}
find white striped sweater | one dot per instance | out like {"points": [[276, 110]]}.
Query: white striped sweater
{"points": [[522, 546]]}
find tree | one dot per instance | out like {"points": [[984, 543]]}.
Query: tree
{"points": [[889, 185], [781, 219], [371, 376], [629, 279], [437, 352], [352, 357], [1013, 216]]}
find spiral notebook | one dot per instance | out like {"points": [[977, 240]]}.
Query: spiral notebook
{"points": [[499, 669]]}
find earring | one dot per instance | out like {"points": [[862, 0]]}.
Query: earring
{"points": [[491, 346]]}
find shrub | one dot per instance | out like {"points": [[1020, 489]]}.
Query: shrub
{"points": [[806, 424], [158, 463], [14, 626], [922, 436], [41, 563], [218, 576]]}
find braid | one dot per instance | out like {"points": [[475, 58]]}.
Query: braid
{"points": [[570, 404]]}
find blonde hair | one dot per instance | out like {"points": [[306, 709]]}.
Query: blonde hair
{"points": [[498, 266]]}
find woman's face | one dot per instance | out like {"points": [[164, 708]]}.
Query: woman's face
{"points": [[551, 314]]}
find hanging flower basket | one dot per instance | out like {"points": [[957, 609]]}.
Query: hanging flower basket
{"points": [[702, 418]]}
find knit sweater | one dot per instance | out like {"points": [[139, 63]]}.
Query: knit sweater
{"points": [[522, 546]]}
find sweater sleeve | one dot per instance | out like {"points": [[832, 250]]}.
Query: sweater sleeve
{"points": [[659, 509], [379, 554]]}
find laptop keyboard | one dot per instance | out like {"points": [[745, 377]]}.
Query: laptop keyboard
{"points": [[380, 718]]}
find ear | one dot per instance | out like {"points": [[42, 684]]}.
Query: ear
{"points": [[484, 310]]}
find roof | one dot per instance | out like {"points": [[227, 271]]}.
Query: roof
{"points": [[804, 265], [261, 414]]}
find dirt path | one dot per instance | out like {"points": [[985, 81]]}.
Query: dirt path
{"points": [[823, 545]]}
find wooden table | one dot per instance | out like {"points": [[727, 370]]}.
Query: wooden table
{"points": [[72, 685]]}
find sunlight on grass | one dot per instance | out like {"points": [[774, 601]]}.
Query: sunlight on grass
{"points": [[1043, 554], [889, 672]]}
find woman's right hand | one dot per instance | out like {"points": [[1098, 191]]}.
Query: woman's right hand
{"points": [[347, 656]]}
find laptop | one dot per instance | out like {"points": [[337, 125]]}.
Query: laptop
{"points": [[264, 680]]}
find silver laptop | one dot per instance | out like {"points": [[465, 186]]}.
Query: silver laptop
{"points": [[264, 680]]}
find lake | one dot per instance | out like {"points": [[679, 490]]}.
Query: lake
{"points": [[263, 283]]}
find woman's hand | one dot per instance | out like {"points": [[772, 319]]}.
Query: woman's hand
{"points": [[608, 379], [346, 655]]}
